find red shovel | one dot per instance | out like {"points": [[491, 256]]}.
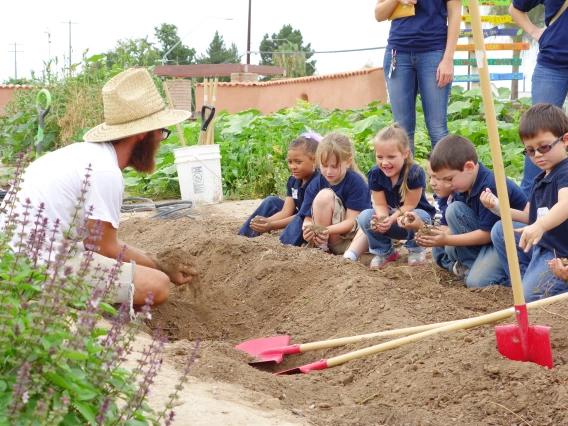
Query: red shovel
{"points": [[271, 350], [456, 325], [522, 342]]}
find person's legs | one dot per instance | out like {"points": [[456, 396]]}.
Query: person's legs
{"points": [[443, 259], [462, 220], [402, 86], [486, 270], [150, 280], [498, 240], [434, 99], [292, 234], [269, 206], [549, 86], [538, 281]]}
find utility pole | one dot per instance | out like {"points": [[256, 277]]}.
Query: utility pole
{"points": [[248, 38], [16, 51], [70, 49]]}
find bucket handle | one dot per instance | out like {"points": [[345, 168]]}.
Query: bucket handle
{"points": [[205, 121]]}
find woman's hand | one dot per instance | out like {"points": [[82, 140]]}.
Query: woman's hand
{"points": [[536, 35], [445, 72]]}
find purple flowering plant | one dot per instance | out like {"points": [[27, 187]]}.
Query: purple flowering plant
{"points": [[58, 364]]}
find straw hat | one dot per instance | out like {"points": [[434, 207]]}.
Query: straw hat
{"points": [[133, 105]]}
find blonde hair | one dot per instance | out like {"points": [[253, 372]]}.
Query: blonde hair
{"points": [[396, 133], [342, 147]]}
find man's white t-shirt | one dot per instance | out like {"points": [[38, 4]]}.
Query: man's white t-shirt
{"points": [[56, 180]]}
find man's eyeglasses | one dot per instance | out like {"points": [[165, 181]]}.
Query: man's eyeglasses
{"points": [[165, 133], [542, 149]]}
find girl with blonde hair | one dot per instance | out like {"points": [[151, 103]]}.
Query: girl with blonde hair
{"points": [[335, 198], [398, 186]]}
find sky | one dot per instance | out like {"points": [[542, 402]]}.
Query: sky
{"points": [[43, 31]]}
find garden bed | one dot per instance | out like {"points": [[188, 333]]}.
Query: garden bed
{"points": [[256, 288]]}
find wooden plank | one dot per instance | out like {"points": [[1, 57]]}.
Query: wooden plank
{"points": [[504, 61], [489, 2], [492, 32], [494, 46], [497, 19], [203, 70], [494, 77]]}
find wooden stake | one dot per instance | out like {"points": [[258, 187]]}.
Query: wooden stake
{"points": [[171, 102]]}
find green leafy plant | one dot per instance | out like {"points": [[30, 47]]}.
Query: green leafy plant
{"points": [[59, 365]]}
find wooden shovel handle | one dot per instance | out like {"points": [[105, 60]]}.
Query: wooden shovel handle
{"points": [[495, 145], [171, 102], [334, 343], [457, 325]]}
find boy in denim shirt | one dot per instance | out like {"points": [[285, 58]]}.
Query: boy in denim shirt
{"points": [[544, 132], [468, 241]]}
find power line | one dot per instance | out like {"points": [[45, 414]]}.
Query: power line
{"points": [[16, 51], [70, 49]]}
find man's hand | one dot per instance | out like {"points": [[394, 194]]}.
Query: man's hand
{"points": [[405, 222], [260, 224], [438, 239], [183, 274], [558, 268], [530, 237]]}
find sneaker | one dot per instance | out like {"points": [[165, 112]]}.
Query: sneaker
{"points": [[379, 262], [417, 258], [458, 269]]}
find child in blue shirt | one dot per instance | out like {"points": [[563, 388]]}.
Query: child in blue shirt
{"points": [[397, 186], [468, 241], [544, 132], [335, 197], [275, 213]]}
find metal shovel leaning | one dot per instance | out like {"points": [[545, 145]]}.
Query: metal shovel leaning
{"points": [[271, 350], [517, 342], [456, 325]]}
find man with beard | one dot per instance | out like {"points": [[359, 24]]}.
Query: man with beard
{"points": [[136, 118]]}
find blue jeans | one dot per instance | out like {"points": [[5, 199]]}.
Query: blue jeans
{"points": [[381, 244], [292, 234], [484, 266], [549, 86], [538, 280], [414, 73]]}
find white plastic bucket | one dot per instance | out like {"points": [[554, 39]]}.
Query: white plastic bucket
{"points": [[199, 173]]}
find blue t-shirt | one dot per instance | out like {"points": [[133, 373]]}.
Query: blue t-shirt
{"points": [[553, 43], [443, 204], [296, 190], [352, 191], [486, 179], [544, 195], [378, 182], [426, 31]]}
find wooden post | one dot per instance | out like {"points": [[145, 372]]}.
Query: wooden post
{"points": [[178, 127]]}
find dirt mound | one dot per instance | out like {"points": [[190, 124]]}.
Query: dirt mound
{"points": [[255, 288]]}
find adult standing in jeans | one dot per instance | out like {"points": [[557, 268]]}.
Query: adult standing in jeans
{"points": [[419, 59], [550, 76]]}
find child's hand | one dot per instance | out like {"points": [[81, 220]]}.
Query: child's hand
{"points": [[490, 201], [557, 267], [260, 224], [384, 225], [321, 238], [530, 237], [437, 239], [410, 220], [307, 233]]}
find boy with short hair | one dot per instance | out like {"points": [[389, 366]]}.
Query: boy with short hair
{"points": [[468, 241], [544, 132]]}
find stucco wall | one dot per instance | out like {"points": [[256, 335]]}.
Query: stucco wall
{"points": [[7, 94], [349, 90]]}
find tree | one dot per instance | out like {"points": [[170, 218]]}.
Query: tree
{"points": [[286, 36], [295, 64], [218, 53], [130, 52], [167, 35]]}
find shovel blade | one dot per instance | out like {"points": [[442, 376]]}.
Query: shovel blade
{"points": [[320, 365], [510, 344], [256, 346]]}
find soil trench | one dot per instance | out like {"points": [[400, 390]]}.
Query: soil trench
{"points": [[256, 288]]}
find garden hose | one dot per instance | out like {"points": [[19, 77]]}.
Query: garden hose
{"points": [[169, 210]]}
